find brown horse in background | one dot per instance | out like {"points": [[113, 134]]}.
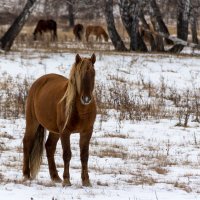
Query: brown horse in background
{"points": [[98, 31], [62, 106], [46, 26], [78, 31]]}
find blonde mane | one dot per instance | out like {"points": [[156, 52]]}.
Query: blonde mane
{"points": [[73, 86]]}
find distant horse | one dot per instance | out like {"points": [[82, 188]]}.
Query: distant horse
{"points": [[98, 31], [78, 31], [46, 26], [62, 106]]}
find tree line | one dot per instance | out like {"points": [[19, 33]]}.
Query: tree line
{"points": [[139, 17]]}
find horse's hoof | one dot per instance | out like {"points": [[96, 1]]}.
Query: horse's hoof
{"points": [[86, 183], [66, 183], [56, 179], [26, 178]]}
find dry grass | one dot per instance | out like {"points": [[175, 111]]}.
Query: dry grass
{"points": [[6, 135], [112, 153], [141, 179], [114, 135], [101, 183], [160, 170], [183, 186]]}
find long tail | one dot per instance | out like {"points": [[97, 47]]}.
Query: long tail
{"points": [[37, 151]]}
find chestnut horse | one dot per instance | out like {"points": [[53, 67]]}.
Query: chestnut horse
{"points": [[98, 31], [62, 106], [45, 26], [78, 31]]}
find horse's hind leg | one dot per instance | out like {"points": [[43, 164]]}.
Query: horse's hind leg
{"points": [[28, 141], [50, 149]]}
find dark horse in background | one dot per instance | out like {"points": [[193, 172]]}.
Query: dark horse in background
{"points": [[78, 31], [46, 26], [62, 106], [98, 31]]}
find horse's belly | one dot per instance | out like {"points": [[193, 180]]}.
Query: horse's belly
{"points": [[46, 116]]}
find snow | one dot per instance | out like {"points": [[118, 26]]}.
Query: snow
{"points": [[145, 160]]}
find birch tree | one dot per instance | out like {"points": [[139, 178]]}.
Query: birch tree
{"points": [[114, 36], [129, 11], [183, 13], [8, 38]]}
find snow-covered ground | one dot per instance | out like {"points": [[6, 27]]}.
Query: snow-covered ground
{"points": [[145, 160]]}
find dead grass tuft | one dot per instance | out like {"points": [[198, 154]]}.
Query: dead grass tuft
{"points": [[6, 135], [183, 186], [160, 170]]}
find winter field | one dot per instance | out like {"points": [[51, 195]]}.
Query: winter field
{"points": [[146, 139]]}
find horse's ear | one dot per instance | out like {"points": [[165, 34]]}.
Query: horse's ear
{"points": [[78, 58], [93, 58]]}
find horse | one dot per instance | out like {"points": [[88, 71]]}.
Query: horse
{"points": [[78, 31], [98, 31], [62, 106], [45, 26]]}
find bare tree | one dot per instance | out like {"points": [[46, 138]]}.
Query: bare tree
{"points": [[129, 11], [114, 36], [71, 12], [158, 20], [8, 38], [183, 12], [193, 20], [149, 35]]}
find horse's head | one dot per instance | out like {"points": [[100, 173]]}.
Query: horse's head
{"points": [[84, 75]]}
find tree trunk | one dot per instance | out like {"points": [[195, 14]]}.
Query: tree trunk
{"points": [[182, 24], [71, 13], [129, 12], [134, 10], [148, 35], [158, 39], [114, 36], [193, 23], [8, 38], [125, 15], [157, 18]]}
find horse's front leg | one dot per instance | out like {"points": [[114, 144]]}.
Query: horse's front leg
{"points": [[65, 141], [84, 154]]}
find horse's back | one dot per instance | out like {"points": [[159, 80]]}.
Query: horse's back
{"points": [[94, 29], [49, 84], [52, 24], [46, 24], [40, 23]]}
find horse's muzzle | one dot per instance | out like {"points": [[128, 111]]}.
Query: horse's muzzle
{"points": [[85, 100]]}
